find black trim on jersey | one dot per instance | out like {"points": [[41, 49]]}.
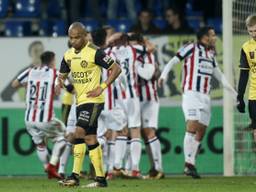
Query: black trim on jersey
{"points": [[198, 82], [140, 88], [29, 109], [203, 73], [102, 59], [64, 68], [186, 55], [214, 63], [23, 76], [243, 60], [243, 79], [115, 93], [41, 117], [204, 59]]}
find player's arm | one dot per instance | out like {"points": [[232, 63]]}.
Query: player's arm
{"points": [[183, 52], [175, 60], [144, 63], [222, 79], [107, 62], [243, 80], [21, 80], [62, 76]]}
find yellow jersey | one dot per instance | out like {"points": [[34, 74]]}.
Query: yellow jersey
{"points": [[67, 98], [85, 67], [248, 62]]}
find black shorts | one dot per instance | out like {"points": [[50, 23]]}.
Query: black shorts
{"points": [[252, 111], [87, 117]]}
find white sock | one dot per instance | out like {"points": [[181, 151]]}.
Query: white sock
{"points": [[128, 158], [42, 153], [111, 155], [105, 157], [150, 156], [57, 151], [155, 147], [135, 153], [190, 148], [120, 149], [64, 157]]}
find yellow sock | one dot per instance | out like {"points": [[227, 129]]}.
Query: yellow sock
{"points": [[97, 160], [79, 152]]}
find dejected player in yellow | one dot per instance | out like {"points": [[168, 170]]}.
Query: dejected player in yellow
{"points": [[84, 61], [248, 71]]}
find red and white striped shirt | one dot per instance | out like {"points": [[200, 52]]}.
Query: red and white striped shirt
{"points": [[198, 67], [147, 87], [126, 56], [40, 92], [115, 90]]}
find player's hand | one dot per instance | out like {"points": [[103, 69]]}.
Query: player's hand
{"points": [[57, 89], [95, 92], [160, 82], [240, 104]]}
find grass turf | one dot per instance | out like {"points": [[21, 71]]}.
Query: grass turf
{"points": [[169, 184]]}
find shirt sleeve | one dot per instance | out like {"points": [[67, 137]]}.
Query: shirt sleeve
{"points": [[185, 51], [243, 60], [64, 68], [103, 60], [23, 77]]}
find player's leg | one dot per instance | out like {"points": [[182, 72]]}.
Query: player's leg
{"points": [[149, 113], [95, 150], [134, 124], [38, 139], [196, 108], [55, 130], [70, 129], [252, 114]]}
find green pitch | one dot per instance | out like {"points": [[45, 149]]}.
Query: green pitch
{"points": [[170, 184]]}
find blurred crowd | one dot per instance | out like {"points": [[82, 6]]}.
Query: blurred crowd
{"points": [[145, 16]]}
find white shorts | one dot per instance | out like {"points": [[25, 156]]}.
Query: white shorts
{"points": [[132, 110], [114, 119], [196, 106], [71, 123], [149, 114], [54, 130]]}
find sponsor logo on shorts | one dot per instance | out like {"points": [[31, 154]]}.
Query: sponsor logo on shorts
{"points": [[192, 112], [84, 116]]}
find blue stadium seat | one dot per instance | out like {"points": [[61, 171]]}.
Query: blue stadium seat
{"points": [[3, 7], [53, 9], [27, 8], [194, 23], [44, 28], [160, 23], [120, 25], [58, 28], [90, 24], [216, 23], [17, 28]]}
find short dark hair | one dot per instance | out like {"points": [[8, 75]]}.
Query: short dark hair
{"points": [[46, 57], [136, 37], [99, 36], [203, 31]]}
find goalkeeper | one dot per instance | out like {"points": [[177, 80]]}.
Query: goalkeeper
{"points": [[248, 71]]}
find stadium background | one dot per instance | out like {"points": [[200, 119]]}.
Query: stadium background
{"points": [[16, 150]]}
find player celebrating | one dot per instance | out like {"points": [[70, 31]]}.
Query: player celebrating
{"points": [[199, 67], [247, 69], [149, 103], [84, 61], [39, 116]]}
